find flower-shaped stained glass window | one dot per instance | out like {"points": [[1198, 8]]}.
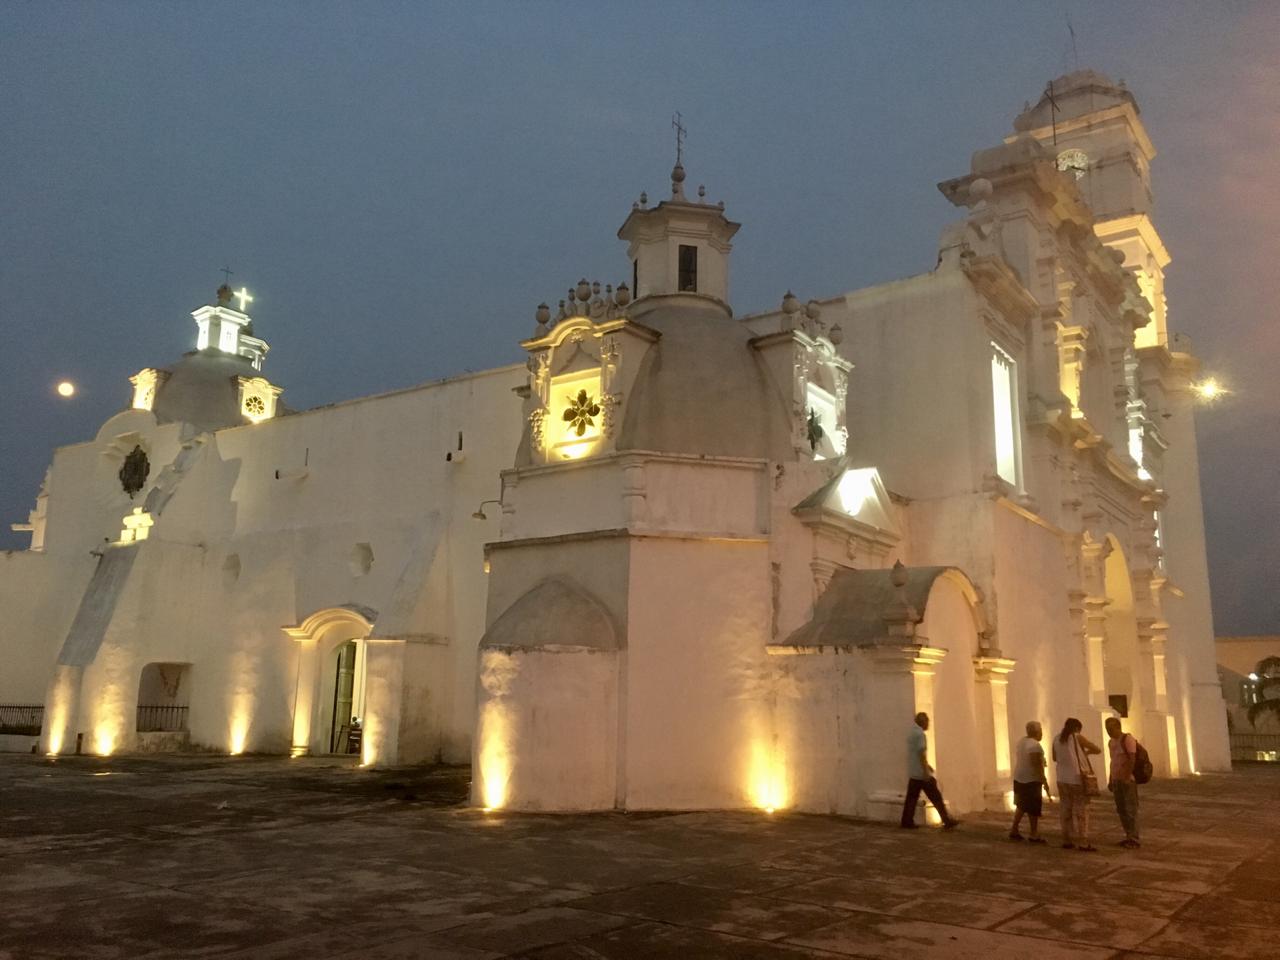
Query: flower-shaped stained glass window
{"points": [[254, 406], [581, 413]]}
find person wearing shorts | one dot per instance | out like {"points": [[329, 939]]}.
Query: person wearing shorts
{"points": [[1030, 784]]}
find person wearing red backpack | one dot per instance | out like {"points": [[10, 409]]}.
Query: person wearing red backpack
{"points": [[1122, 783]]}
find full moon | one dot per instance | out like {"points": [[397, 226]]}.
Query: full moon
{"points": [[66, 388]]}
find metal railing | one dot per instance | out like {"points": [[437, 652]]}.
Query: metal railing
{"points": [[161, 719], [21, 719], [1255, 747]]}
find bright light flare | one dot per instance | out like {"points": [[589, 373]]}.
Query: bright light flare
{"points": [[1209, 390], [66, 389]]}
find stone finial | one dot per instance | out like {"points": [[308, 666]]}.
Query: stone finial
{"points": [[790, 309], [583, 291], [677, 181], [980, 191], [898, 577], [562, 315], [543, 316], [702, 192], [900, 617], [836, 334], [644, 199], [623, 295], [224, 295], [813, 317]]}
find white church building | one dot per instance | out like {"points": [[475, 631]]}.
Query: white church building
{"points": [[680, 558]]}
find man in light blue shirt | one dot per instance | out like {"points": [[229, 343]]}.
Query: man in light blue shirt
{"points": [[920, 777]]}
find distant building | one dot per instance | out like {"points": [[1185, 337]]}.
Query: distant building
{"points": [[679, 559], [1238, 659]]}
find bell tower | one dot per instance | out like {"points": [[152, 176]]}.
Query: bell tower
{"points": [[679, 246], [1092, 125], [228, 330]]}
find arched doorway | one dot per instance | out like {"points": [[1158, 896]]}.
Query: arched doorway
{"points": [[343, 707], [329, 700], [1120, 654], [954, 621], [164, 695]]}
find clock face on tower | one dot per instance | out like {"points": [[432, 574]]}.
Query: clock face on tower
{"points": [[1075, 162]]}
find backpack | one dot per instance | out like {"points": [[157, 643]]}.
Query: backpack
{"points": [[1142, 768]]}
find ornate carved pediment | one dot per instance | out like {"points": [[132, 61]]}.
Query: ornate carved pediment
{"points": [[578, 369], [815, 378]]}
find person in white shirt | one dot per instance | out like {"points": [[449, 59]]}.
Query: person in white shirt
{"points": [[920, 777], [1028, 782]]}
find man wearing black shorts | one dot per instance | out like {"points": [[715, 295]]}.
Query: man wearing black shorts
{"points": [[1028, 782]]}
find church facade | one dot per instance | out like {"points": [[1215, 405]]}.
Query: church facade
{"points": [[679, 558]]}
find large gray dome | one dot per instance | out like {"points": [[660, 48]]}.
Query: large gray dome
{"points": [[203, 389], [701, 389]]}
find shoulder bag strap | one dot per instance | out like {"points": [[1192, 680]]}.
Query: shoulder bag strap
{"points": [[1082, 758]]}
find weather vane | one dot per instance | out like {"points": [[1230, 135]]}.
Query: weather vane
{"points": [[677, 124]]}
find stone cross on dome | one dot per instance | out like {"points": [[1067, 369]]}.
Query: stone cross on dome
{"points": [[677, 172]]}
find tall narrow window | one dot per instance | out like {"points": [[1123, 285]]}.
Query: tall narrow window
{"points": [[688, 269], [635, 278], [1004, 396]]}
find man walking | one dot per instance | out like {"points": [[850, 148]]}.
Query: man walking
{"points": [[1123, 786], [920, 777], [1029, 781]]}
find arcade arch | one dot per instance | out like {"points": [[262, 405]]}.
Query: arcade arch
{"points": [[329, 696]]}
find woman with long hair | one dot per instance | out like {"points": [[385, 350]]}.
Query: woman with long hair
{"points": [[1071, 751]]}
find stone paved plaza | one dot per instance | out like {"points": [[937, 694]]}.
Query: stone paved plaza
{"points": [[196, 856]]}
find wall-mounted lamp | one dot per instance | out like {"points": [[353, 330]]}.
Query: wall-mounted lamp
{"points": [[479, 514]]}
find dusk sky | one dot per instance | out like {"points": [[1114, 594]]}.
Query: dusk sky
{"points": [[399, 185]]}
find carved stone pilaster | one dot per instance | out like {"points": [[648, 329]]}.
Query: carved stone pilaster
{"points": [[634, 493], [991, 679]]}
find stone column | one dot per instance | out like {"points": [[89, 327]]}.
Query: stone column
{"points": [[898, 684], [991, 676], [383, 694], [304, 697], [1093, 559]]}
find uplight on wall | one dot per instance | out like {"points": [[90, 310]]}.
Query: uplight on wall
{"points": [[575, 451], [767, 786], [495, 755], [104, 740]]}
